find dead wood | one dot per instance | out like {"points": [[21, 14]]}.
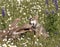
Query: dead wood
{"points": [[15, 32]]}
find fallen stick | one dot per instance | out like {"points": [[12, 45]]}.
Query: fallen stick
{"points": [[19, 30], [15, 32]]}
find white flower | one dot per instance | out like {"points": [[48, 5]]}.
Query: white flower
{"points": [[8, 42], [36, 42], [10, 39], [4, 45], [0, 46], [9, 0], [37, 39], [24, 13], [22, 38], [4, 31], [28, 0], [40, 44], [9, 18], [39, 10], [25, 45], [19, 1], [29, 38], [8, 12], [4, 39], [9, 25], [12, 45], [58, 14], [34, 35], [10, 28], [1, 23], [18, 39], [8, 5], [26, 41]]}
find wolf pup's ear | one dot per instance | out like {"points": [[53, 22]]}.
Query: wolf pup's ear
{"points": [[30, 18], [36, 17]]}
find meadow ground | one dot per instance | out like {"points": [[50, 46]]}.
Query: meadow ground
{"points": [[49, 15]]}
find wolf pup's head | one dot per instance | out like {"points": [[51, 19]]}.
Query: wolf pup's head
{"points": [[33, 21]]}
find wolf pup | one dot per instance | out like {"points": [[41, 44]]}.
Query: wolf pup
{"points": [[38, 29]]}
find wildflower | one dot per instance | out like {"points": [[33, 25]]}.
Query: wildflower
{"points": [[56, 4], [46, 2], [29, 38], [52, 1], [52, 12], [4, 45], [41, 44], [5, 39], [3, 11], [37, 39], [36, 42], [34, 36], [47, 12], [12, 45]]}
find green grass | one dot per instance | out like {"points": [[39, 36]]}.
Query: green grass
{"points": [[26, 9]]}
